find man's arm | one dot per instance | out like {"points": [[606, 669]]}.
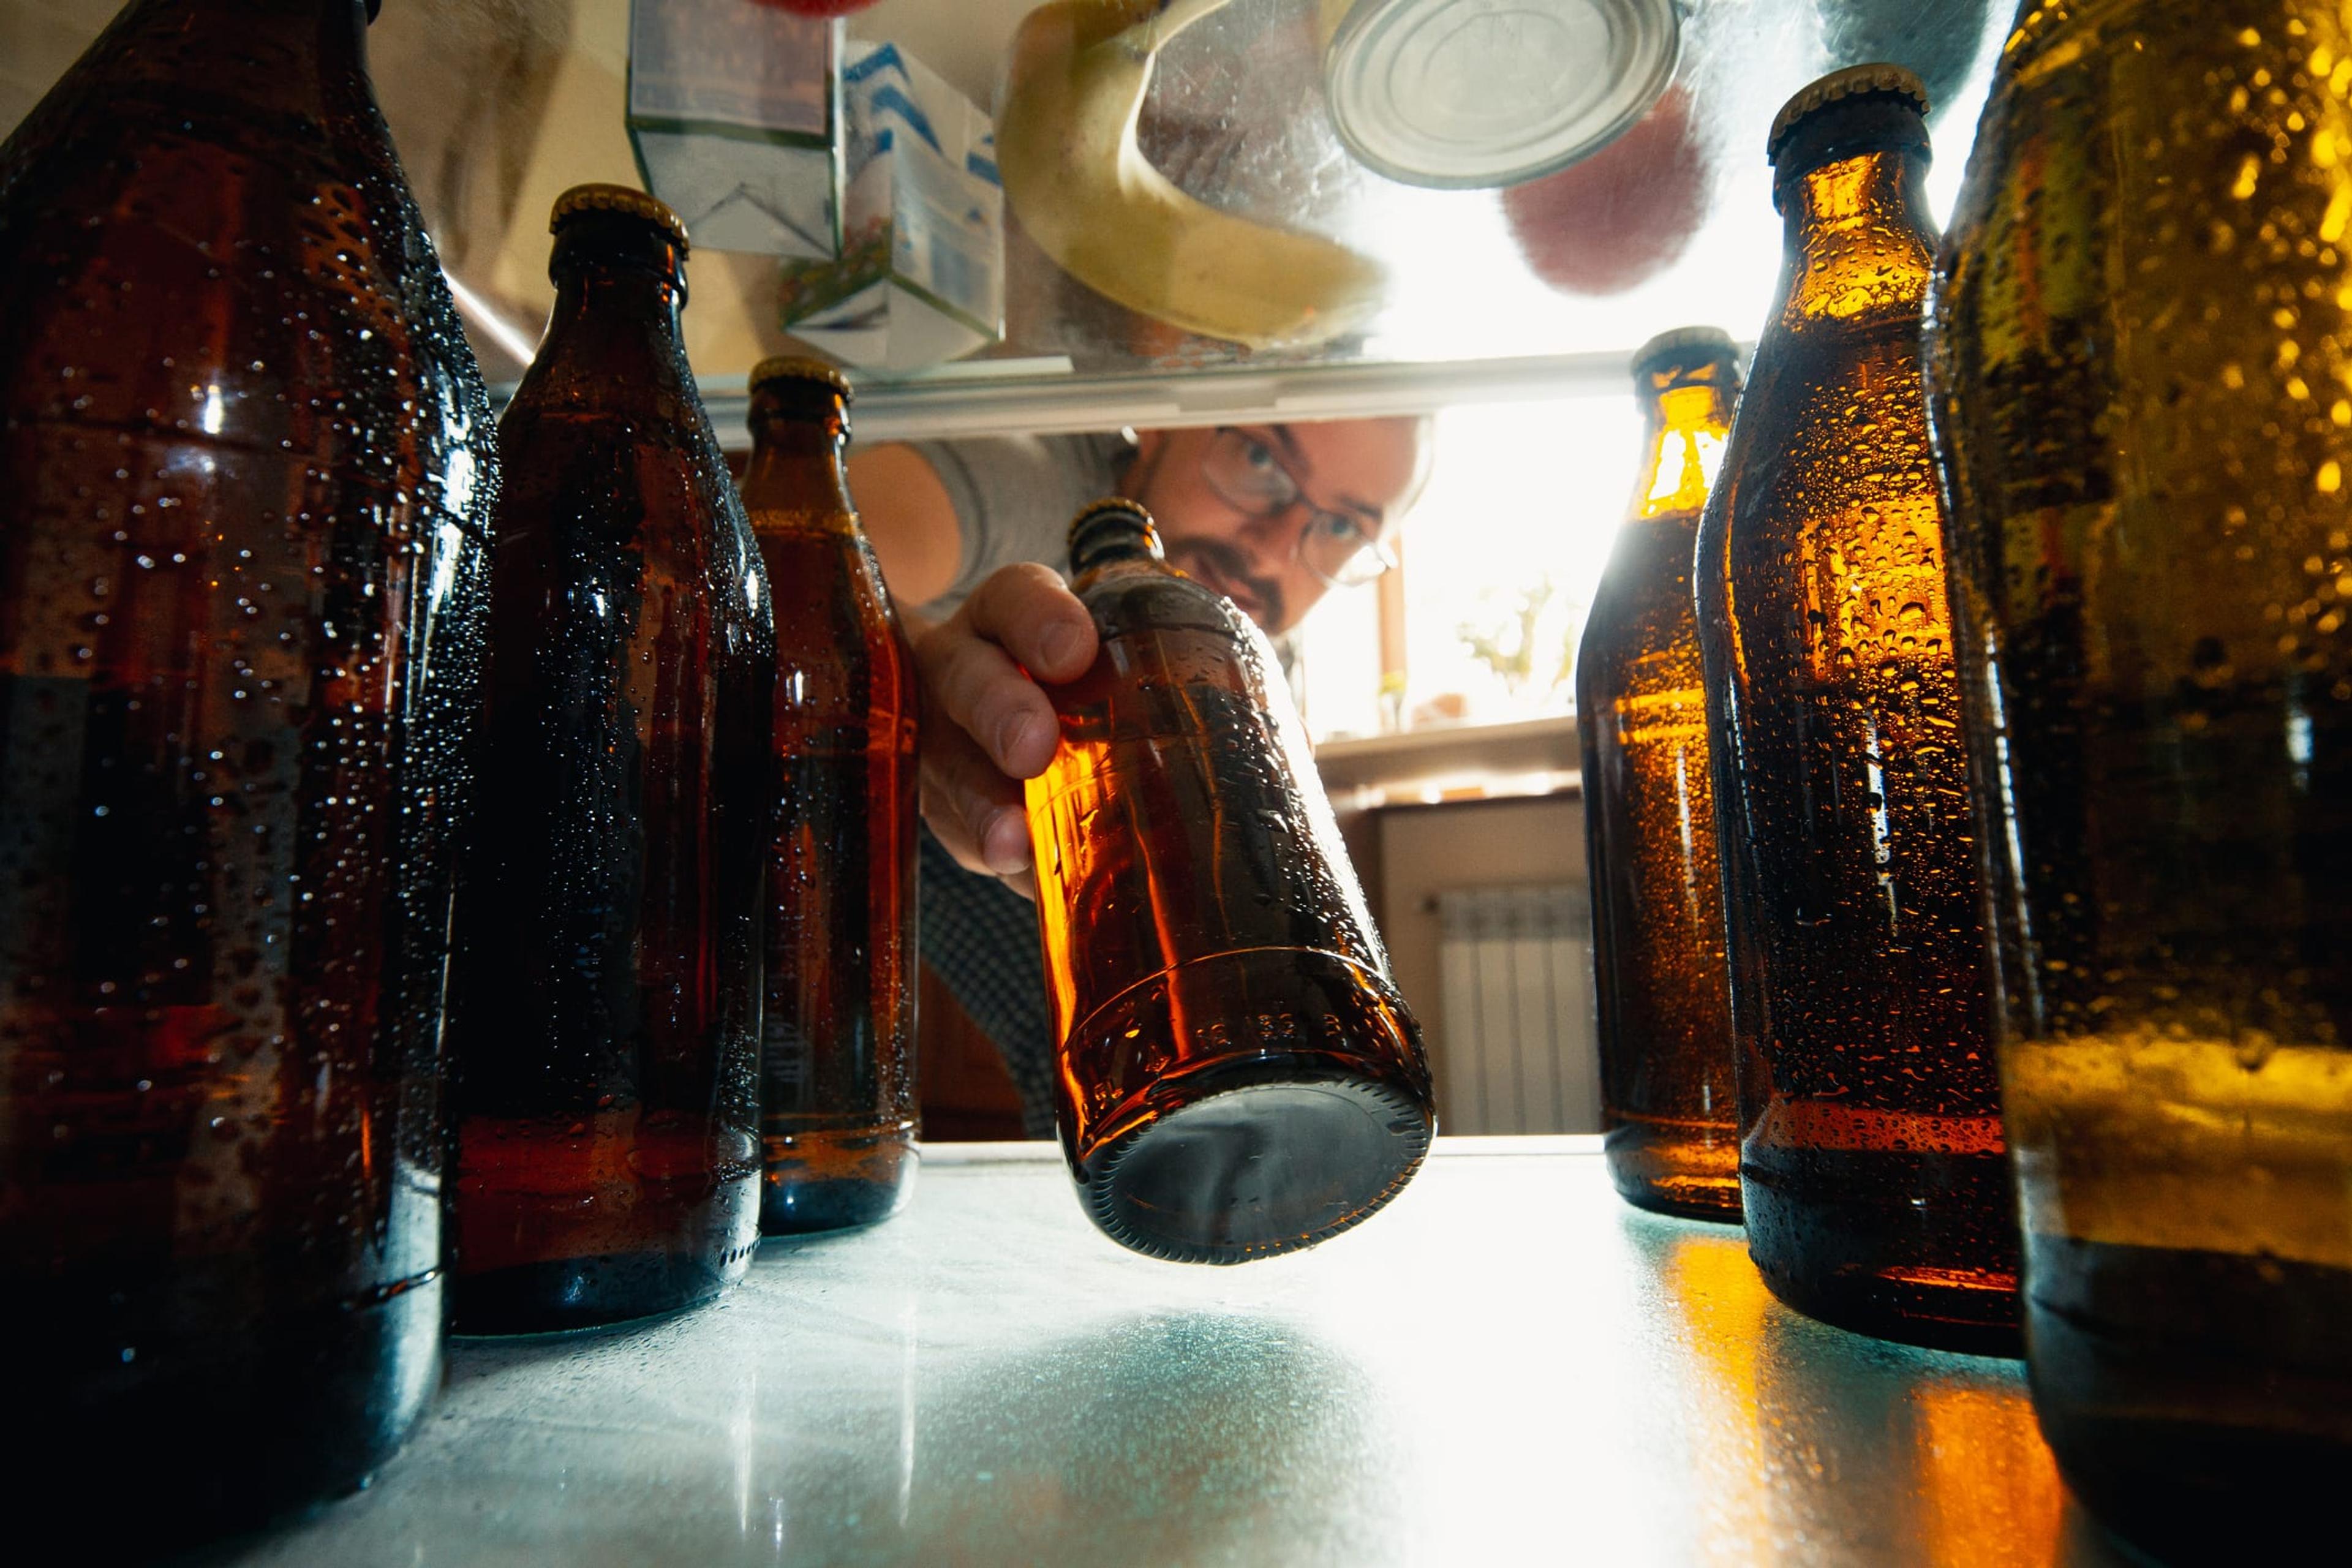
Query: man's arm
{"points": [[909, 520]]}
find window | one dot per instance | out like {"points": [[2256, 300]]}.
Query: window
{"points": [[1508, 538]]}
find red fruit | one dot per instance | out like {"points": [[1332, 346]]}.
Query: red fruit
{"points": [[1608, 222], [817, 8]]}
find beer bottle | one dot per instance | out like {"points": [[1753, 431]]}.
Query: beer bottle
{"points": [[838, 1035], [1237, 1074], [2139, 355], [605, 1010], [1667, 1089], [245, 473], [1873, 1174]]}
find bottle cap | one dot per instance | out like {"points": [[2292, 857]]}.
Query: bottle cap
{"points": [[627, 201], [1436, 93], [799, 367], [1106, 522], [1880, 80], [1684, 348]]}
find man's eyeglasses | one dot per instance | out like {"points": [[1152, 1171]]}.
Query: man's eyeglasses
{"points": [[1247, 475]]}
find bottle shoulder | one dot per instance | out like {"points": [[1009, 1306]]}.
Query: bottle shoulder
{"points": [[1126, 602], [1828, 424], [261, 278], [827, 587], [581, 481]]}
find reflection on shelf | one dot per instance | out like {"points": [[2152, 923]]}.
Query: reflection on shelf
{"points": [[1813, 1445]]}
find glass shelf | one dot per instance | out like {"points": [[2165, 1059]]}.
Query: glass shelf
{"points": [[1488, 295]]}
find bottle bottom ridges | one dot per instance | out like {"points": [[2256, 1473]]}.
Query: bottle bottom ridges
{"points": [[1256, 1169]]}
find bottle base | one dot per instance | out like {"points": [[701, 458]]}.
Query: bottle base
{"points": [[697, 1250], [565, 1294], [1254, 1168], [293, 1411], [1689, 1170], [836, 1178], [2200, 1404], [1837, 1235]]}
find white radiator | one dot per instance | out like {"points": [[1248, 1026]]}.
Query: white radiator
{"points": [[1516, 1038]]}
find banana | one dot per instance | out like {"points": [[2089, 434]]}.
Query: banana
{"points": [[1066, 146]]}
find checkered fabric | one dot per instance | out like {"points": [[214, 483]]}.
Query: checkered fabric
{"points": [[979, 938]]}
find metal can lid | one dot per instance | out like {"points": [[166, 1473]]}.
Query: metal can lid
{"points": [[626, 200], [1435, 93], [1686, 347], [1879, 77], [800, 367]]}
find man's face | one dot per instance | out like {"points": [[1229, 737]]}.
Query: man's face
{"points": [[1361, 470]]}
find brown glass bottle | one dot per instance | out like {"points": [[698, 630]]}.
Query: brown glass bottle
{"points": [[1668, 1093], [838, 1035], [2140, 333], [604, 1003], [1874, 1177], [1237, 1074], [245, 472]]}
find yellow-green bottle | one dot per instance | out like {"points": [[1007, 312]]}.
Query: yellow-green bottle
{"points": [[2141, 358]]}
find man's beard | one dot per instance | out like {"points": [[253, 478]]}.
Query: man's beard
{"points": [[1220, 565]]}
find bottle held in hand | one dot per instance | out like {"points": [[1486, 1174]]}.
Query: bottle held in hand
{"points": [[1237, 1074]]}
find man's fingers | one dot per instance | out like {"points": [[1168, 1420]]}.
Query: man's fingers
{"points": [[986, 722], [1027, 611], [969, 664], [973, 809], [981, 693]]}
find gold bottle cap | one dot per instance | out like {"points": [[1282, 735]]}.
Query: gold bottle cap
{"points": [[626, 200], [799, 367], [1093, 527], [1685, 348], [1854, 81], [1094, 509]]}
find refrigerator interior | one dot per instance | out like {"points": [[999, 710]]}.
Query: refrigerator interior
{"points": [[1510, 312]]}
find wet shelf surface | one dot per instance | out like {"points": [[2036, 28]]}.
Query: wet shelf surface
{"points": [[1508, 1364]]}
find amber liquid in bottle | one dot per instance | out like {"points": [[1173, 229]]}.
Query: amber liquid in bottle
{"points": [[1236, 1074], [1874, 1178], [245, 472], [604, 1007], [838, 1048], [1668, 1092], [2140, 339]]}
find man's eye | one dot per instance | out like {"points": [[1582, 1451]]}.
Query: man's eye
{"points": [[1338, 527], [1258, 455]]}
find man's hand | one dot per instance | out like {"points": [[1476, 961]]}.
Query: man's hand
{"points": [[986, 724]]}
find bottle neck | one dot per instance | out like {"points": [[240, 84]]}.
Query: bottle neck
{"points": [[1858, 236], [1115, 543], [1689, 421], [614, 331], [797, 450]]}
